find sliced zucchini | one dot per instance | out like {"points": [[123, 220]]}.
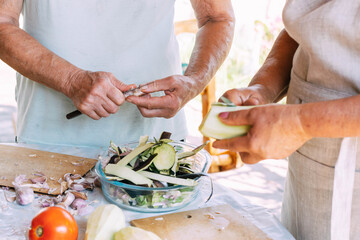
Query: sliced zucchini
{"points": [[175, 167], [165, 140], [123, 162], [115, 147], [172, 180], [128, 174], [113, 178], [143, 140], [212, 126], [144, 165], [191, 153], [165, 158]]}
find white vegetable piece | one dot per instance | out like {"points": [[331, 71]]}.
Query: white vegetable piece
{"points": [[173, 180], [104, 222], [127, 173], [123, 162], [143, 140], [212, 126]]}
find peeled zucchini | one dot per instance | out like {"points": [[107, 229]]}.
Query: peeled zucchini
{"points": [[165, 158], [212, 126]]}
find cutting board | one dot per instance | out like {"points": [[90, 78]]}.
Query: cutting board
{"points": [[16, 161], [213, 223]]}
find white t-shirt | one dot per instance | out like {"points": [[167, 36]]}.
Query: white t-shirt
{"points": [[134, 40]]}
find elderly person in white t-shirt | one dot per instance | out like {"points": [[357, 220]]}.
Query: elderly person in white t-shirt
{"points": [[315, 62], [85, 54]]}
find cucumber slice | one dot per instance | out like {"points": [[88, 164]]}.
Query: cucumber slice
{"points": [[212, 126], [165, 158], [123, 162], [172, 180], [128, 174]]}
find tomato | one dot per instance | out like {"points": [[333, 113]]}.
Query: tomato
{"points": [[53, 223]]}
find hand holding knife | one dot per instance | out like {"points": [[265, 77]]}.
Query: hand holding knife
{"points": [[131, 92]]}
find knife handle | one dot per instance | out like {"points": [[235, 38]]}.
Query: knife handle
{"points": [[73, 114]]}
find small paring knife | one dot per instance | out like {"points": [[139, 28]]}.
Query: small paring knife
{"points": [[131, 92]]}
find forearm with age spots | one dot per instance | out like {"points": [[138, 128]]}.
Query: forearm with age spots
{"points": [[27, 56], [336, 118], [213, 41]]}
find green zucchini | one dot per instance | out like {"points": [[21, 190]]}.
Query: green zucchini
{"points": [[165, 158]]}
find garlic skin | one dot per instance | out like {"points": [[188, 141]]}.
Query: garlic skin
{"points": [[68, 199], [78, 203], [41, 179], [24, 195]]}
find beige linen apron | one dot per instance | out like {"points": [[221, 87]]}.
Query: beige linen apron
{"points": [[322, 191]]}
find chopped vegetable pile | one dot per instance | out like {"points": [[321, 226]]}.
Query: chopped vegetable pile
{"points": [[155, 164]]}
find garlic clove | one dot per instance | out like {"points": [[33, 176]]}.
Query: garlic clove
{"points": [[41, 179], [78, 204], [85, 210], [81, 195], [68, 199], [24, 195]]}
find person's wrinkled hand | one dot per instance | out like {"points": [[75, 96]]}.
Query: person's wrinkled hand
{"points": [[275, 132], [178, 91], [97, 94], [252, 95]]}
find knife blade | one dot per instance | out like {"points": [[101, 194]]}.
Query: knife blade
{"points": [[132, 92]]}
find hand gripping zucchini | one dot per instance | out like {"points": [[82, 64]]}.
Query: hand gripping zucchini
{"points": [[212, 126]]}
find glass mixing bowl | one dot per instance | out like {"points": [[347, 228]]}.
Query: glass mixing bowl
{"points": [[149, 199]]}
